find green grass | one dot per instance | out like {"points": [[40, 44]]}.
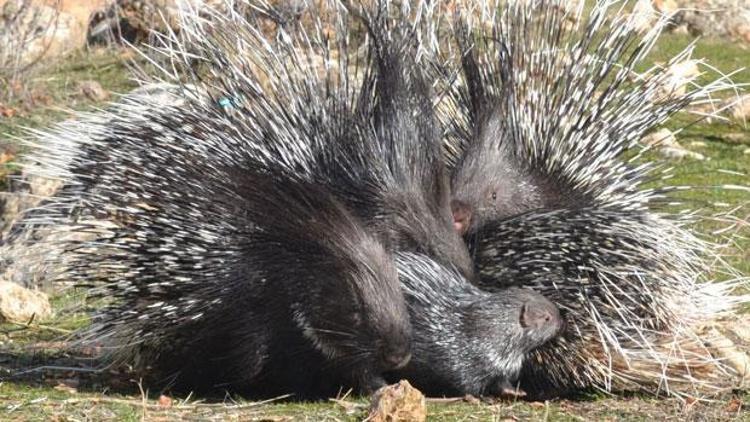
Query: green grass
{"points": [[54, 97], [723, 143], [45, 397], [54, 88], [21, 402]]}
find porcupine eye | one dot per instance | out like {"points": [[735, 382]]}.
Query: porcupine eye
{"points": [[493, 196]]}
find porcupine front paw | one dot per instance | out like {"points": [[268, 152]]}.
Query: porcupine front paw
{"points": [[506, 389], [370, 383]]}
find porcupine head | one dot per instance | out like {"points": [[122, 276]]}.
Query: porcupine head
{"points": [[494, 177], [467, 341]]}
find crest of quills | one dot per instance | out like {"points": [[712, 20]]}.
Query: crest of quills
{"points": [[385, 190]]}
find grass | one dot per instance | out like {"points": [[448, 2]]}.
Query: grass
{"points": [[65, 395], [55, 88], [55, 96], [726, 145]]}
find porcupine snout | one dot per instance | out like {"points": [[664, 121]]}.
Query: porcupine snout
{"points": [[395, 354], [461, 216], [540, 315]]}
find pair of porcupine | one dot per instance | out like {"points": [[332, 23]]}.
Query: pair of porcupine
{"points": [[293, 226]]}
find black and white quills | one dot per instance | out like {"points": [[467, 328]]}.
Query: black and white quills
{"points": [[221, 271], [250, 248], [288, 227], [548, 188]]}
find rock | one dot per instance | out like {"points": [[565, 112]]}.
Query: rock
{"points": [[165, 402], [746, 151], [740, 109], [21, 305], [134, 20], [725, 349], [20, 261], [716, 18], [661, 138], [698, 144], [666, 7], [33, 30], [735, 138], [24, 195], [93, 91], [643, 16], [665, 143], [678, 152], [740, 327], [678, 77], [738, 25], [398, 402]]}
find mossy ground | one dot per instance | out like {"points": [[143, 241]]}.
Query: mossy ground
{"points": [[67, 395]]}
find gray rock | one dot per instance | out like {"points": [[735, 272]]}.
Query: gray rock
{"points": [[21, 305]]}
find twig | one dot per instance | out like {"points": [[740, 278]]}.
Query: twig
{"points": [[28, 325]]}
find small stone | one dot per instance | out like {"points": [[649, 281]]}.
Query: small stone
{"points": [[733, 406], [678, 152], [746, 151], [69, 386], [741, 326], [697, 144], [398, 402], [681, 30], [735, 138], [661, 138], [679, 76], [165, 401], [21, 305], [729, 353], [92, 90], [666, 7], [10, 9], [6, 157], [740, 111], [643, 16]]}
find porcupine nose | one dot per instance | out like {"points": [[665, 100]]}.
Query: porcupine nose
{"points": [[539, 313], [395, 357], [461, 216]]}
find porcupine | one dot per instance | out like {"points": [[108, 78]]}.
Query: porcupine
{"points": [[467, 341], [187, 250], [545, 110], [167, 125], [231, 301]]}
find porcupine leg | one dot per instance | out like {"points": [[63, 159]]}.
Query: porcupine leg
{"points": [[372, 383]]}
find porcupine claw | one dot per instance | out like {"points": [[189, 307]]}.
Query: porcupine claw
{"points": [[513, 392]]}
